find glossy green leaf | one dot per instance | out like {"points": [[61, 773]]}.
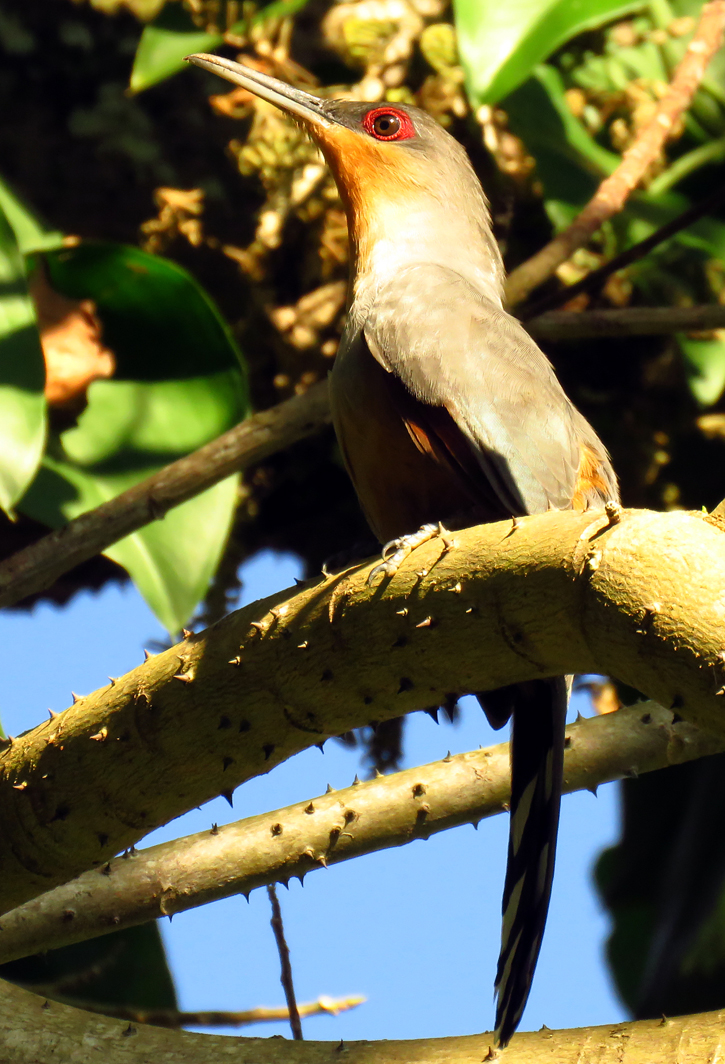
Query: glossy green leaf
{"points": [[30, 233], [158, 321], [22, 376], [501, 44], [173, 35], [179, 383]]}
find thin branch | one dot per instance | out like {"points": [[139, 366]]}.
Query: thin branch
{"points": [[626, 321], [594, 280], [175, 1019], [367, 817], [612, 194], [631, 593], [288, 984], [38, 566]]}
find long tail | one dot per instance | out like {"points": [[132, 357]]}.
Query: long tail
{"points": [[537, 757]]}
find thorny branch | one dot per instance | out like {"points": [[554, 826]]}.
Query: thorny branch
{"points": [[377, 814], [629, 593], [53, 1031], [615, 189]]}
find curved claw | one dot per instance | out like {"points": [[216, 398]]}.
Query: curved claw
{"points": [[401, 548]]}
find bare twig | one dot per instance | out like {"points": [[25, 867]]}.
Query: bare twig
{"points": [[626, 321], [594, 280], [237, 858], [36, 567], [614, 190], [175, 1019], [286, 968]]}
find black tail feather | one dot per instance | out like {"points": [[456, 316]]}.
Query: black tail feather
{"points": [[537, 756]]}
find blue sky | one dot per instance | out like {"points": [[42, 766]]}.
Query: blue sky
{"points": [[414, 929]]}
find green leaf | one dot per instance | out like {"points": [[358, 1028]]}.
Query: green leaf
{"points": [[163, 45], [179, 383], [158, 321], [569, 162], [22, 376], [501, 44], [127, 968], [704, 367], [173, 35], [30, 233]]}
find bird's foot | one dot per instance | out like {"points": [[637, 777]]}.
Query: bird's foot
{"points": [[396, 551]]}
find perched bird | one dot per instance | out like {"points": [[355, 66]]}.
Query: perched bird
{"points": [[446, 410]]}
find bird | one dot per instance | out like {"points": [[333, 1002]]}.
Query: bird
{"points": [[448, 414]]}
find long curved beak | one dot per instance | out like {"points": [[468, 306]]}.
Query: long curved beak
{"points": [[296, 102]]}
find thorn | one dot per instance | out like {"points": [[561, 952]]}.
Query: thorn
{"points": [[330, 789], [186, 633], [310, 808], [579, 718], [132, 852], [52, 714], [593, 790], [276, 830], [261, 628], [246, 896], [448, 757], [185, 677], [214, 829], [418, 790], [20, 786], [322, 860], [75, 697], [113, 680], [321, 746], [106, 871], [378, 773], [456, 589], [229, 795], [427, 623], [147, 654], [303, 646], [403, 612], [235, 661], [100, 736], [226, 762], [432, 712], [355, 781], [614, 512]]}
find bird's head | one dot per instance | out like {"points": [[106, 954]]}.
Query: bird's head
{"points": [[389, 160]]}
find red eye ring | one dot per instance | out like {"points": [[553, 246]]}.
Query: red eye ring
{"points": [[400, 126]]}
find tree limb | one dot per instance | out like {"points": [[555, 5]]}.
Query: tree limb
{"points": [[33, 1030], [626, 321], [39, 565], [364, 818], [633, 594], [612, 194]]}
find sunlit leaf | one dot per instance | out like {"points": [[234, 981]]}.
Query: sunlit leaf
{"points": [[22, 376], [179, 383], [704, 367], [173, 35], [501, 44], [30, 233]]}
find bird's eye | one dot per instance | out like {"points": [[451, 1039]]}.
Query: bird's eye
{"points": [[387, 123]]}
